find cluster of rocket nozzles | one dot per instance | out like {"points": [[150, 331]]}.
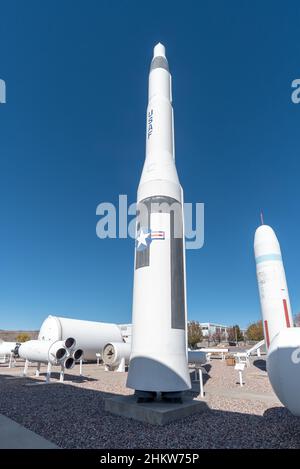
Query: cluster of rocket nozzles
{"points": [[59, 352]]}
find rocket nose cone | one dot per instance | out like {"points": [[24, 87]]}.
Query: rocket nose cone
{"points": [[264, 233], [159, 50], [265, 240]]}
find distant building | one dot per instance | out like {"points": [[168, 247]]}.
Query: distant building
{"points": [[209, 329]]}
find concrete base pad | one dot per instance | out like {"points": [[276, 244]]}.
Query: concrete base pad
{"points": [[156, 413], [15, 436]]}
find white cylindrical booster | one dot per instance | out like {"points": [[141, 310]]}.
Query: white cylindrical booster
{"points": [[273, 291], [158, 360], [283, 365], [90, 336], [114, 352], [43, 351], [6, 348]]}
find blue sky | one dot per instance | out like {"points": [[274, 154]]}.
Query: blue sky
{"points": [[72, 135]]}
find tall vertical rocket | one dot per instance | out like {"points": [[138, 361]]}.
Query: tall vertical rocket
{"points": [[158, 361]]}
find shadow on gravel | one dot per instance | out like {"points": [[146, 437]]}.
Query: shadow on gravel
{"points": [[207, 367], [68, 377], [74, 417], [261, 364]]}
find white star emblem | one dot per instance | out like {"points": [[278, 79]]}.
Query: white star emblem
{"points": [[141, 239]]}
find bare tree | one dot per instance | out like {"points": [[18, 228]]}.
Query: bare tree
{"points": [[297, 320]]}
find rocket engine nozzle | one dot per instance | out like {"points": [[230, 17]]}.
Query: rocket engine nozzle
{"points": [[69, 363], [70, 343], [61, 353], [78, 354]]}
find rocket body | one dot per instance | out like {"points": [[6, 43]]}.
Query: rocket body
{"points": [[158, 361], [43, 351], [273, 290], [6, 348], [281, 338]]}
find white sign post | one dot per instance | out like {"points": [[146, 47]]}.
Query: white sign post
{"points": [[201, 382], [240, 368], [199, 374]]}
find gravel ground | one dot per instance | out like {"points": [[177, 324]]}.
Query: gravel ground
{"points": [[72, 414]]}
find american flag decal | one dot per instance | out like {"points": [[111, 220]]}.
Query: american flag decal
{"points": [[157, 234]]}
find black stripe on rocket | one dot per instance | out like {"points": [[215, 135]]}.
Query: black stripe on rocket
{"points": [[163, 204]]}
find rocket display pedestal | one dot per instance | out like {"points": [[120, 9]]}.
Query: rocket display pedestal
{"points": [[158, 361], [156, 413]]}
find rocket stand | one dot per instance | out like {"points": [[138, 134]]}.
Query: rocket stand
{"points": [[48, 375], [240, 368], [10, 360], [38, 369], [121, 367], [25, 368], [80, 368], [62, 374]]}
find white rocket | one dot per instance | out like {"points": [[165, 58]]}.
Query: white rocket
{"points": [[7, 348], [58, 352], [281, 338], [273, 291], [158, 361], [116, 355], [91, 336]]}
